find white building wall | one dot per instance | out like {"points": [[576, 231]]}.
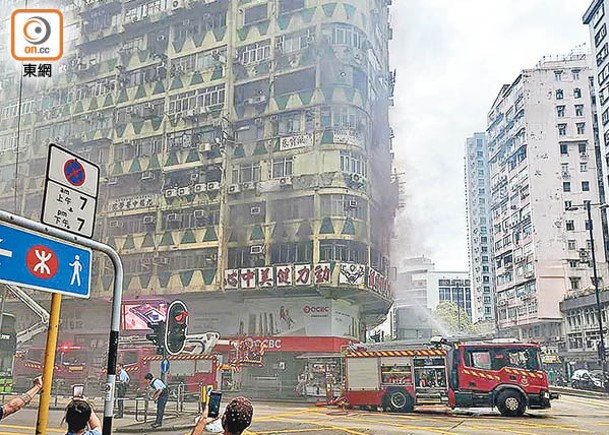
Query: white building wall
{"points": [[531, 158]]}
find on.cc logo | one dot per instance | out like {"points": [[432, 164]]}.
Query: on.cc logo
{"points": [[36, 30]]}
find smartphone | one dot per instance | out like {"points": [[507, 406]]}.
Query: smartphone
{"points": [[78, 390], [214, 398]]}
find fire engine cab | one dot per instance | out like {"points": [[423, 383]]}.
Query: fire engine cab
{"points": [[503, 375]]}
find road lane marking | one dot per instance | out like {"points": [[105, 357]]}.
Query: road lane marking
{"points": [[285, 414], [282, 431], [402, 426], [324, 426]]}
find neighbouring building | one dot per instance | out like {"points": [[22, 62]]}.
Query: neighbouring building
{"points": [[480, 247], [452, 287], [246, 158], [543, 168], [581, 329], [410, 316]]}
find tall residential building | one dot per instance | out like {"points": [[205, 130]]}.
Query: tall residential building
{"points": [[246, 158], [543, 168], [480, 258]]}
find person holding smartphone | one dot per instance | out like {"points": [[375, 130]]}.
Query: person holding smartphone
{"points": [[160, 396], [18, 403], [79, 415], [236, 418]]}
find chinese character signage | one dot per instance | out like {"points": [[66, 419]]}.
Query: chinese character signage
{"points": [[296, 141], [132, 202], [298, 275]]}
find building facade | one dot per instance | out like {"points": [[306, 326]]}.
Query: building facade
{"points": [[580, 316], [410, 316], [245, 151], [480, 248], [454, 287], [543, 167]]}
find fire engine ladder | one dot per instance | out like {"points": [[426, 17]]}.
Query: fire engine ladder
{"points": [[36, 328]]}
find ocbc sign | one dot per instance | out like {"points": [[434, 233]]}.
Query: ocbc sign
{"points": [[269, 343], [315, 310]]}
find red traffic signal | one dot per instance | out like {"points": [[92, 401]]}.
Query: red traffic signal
{"points": [[182, 317], [177, 328]]}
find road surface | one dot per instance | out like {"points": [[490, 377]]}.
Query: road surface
{"points": [[570, 415]]}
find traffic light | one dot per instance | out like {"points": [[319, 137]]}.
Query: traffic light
{"points": [[157, 336], [177, 327]]}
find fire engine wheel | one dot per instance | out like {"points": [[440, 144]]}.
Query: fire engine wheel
{"points": [[399, 401], [511, 403]]}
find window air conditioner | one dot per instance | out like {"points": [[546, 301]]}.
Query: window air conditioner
{"points": [[255, 210], [200, 214], [213, 185], [172, 217], [234, 188], [256, 249], [199, 188], [170, 193], [285, 181], [183, 191], [149, 219], [147, 176]]}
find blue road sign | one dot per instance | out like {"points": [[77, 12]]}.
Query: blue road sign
{"points": [[165, 365], [37, 261]]}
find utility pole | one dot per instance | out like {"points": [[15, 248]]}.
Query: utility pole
{"points": [[601, 351]]}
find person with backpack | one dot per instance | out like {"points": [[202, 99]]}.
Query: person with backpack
{"points": [[160, 396]]}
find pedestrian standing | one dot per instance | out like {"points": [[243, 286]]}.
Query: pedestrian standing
{"points": [[160, 396], [79, 414], [122, 382]]}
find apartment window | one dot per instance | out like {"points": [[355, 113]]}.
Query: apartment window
{"points": [[603, 75], [600, 35], [602, 54], [579, 110], [210, 96], [564, 168], [575, 74], [564, 148], [568, 205], [562, 129], [255, 14], [247, 172], [343, 250], [605, 116], [559, 94], [560, 111], [572, 264], [256, 52], [289, 123], [583, 167], [282, 167], [292, 208], [581, 127], [558, 75], [571, 245], [577, 93], [582, 147], [353, 163], [294, 42], [575, 283], [570, 225], [587, 225], [348, 35], [289, 253], [585, 186], [288, 6], [566, 186]]}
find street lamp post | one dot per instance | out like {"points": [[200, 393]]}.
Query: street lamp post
{"points": [[601, 351]]}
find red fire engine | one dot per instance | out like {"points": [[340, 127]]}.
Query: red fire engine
{"points": [[70, 366], [503, 375], [191, 370]]}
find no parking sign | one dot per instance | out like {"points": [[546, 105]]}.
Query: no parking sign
{"points": [[70, 193]]}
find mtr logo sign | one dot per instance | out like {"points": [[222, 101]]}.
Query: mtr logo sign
{"points": [[37, 34]]}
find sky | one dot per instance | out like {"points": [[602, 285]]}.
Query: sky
{"points": [[451, 59]]}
